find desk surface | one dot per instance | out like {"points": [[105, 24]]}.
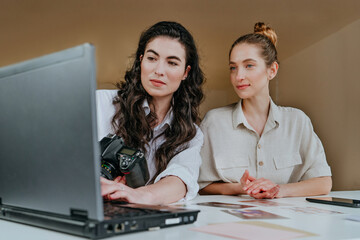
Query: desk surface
{"points": [[326, 226]]}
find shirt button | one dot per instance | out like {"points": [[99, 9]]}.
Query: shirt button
{"points": [[259, 146], [261, 163]]}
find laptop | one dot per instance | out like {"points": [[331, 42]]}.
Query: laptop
{"points": [[49, 153]]}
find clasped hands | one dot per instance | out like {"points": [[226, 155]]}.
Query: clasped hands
{"points": [[259, 188]]}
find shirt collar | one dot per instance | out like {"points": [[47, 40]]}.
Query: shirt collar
{"points": [[239, 117], [273, 117], [168, 117]]}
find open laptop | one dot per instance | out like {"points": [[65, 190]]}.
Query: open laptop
{"points": [[49, 153]]}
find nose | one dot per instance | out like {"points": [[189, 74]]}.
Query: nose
{"points": [[240, 74], [160, 68]]}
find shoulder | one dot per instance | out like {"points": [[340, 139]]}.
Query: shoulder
{"points": [[199, 137], [218, 114], [293, 114], [105, 94]]}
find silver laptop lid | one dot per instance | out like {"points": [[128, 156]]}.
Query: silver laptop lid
{"points": [[49, 154]]}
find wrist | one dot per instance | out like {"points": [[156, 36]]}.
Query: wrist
{"points": [[237, 188], [281, 192], [147, 195]]}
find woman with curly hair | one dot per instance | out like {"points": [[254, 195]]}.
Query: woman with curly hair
{"points": [[156, 110]]}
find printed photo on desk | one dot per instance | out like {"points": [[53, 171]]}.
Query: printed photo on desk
{"points": [[264, 203], [252, 214], [224, 205]]}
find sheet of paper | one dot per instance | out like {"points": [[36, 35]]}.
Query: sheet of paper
{"points": [[224, 205], [252, 214], [252, 231], [312, 210], [264, 203]]}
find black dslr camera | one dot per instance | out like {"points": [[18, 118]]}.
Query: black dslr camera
{"points": [[118, 160]]}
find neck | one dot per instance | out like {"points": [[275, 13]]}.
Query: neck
{"points": [[256, 111], [160, 105], [256, 106]]}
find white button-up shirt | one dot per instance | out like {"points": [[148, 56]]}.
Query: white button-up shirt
{"points": [[288, 150], [185, 165]]}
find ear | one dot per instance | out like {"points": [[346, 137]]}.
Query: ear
{"points": [[141, 57], [272, 70], [187, 70]]}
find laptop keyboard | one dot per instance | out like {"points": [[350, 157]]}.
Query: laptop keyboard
{"points": [[112, 210]]}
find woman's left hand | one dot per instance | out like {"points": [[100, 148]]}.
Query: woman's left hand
{"points": [[262, 188], [116, 189]]}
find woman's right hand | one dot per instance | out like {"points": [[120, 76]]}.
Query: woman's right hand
{"points": [[120, 179], [117, 190]]}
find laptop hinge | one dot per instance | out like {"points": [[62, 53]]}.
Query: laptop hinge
{"points": [[78, 214]]}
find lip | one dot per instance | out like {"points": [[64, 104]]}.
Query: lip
{"points": [[242, 86], [157, 83]]}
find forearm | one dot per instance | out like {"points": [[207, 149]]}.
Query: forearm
{"points": [[168, 190], [310, 187], [223, 189]]}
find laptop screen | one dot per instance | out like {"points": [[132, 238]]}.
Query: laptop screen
{"points": [[49, 154]]}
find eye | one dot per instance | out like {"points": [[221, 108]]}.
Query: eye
{"points": [[249, 66], [173, 63], [150, 58], [232, 68]]}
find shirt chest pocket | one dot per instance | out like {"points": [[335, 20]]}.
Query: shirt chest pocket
{"points": [[231, 167], [285, 166], [287, 160]]}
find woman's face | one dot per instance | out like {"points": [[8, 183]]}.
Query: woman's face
{"points": [[163, 67], [248, 71]]}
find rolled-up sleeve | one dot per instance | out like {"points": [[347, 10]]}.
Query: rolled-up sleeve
{"points": [[185, 165], [313, 154]]}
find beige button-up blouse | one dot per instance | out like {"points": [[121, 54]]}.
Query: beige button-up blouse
{"points": [[288, 150]]}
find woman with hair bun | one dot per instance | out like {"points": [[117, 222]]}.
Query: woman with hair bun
{"points": [[254, 146], [156, 109]]}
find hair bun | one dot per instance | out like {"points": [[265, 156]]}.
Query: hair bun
{"points": [[262, 28]]}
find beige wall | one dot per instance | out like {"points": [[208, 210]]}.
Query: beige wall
{"points": [[324, 81], [321, 79]]}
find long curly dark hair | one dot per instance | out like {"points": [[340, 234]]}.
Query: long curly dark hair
{"points": [[130, 121]]}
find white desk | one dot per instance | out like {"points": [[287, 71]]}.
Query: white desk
{"points": [[326, 226]]}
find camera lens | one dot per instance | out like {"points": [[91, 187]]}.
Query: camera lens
{"points": [[109, 169]]}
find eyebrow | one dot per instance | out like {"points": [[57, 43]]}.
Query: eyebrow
{"points": [[169, 57], [246, 60]]}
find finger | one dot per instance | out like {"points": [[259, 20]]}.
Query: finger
{"points": [[123, 195], [111, 188], [105, 181], [251, 178], [126, 195], [270, 194], [107, 189], [123, 180], [118, 179], [252, 185], [274, 191], [256, 188], [244, 177], [263, 187], [259, 195]]}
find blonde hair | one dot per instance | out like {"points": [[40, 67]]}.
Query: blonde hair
{"points": [[262, 28], [265, 38]]}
